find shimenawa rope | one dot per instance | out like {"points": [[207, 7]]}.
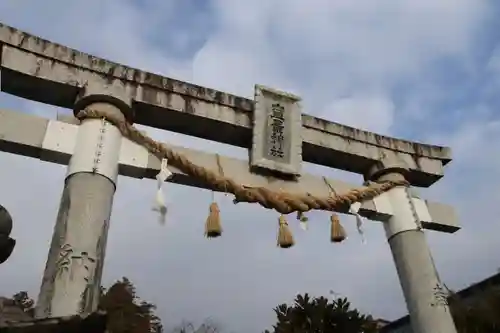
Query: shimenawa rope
{"points": [[282, 202]]}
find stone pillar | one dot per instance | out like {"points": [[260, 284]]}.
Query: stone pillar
{"points": [[72, 277], [423, 291]]}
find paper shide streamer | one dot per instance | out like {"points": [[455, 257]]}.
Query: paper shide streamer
{"points": [[161, 177]]}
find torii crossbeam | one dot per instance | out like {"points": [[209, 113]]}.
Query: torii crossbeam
{"points": [[96, 153]]}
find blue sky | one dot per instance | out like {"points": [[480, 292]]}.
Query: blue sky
{"points": [[418, 69]]}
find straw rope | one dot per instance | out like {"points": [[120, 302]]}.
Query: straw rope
{"points": [[282, 202]]}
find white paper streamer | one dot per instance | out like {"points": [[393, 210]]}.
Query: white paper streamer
{"points": [[303, 221], [303, 225], [161, 177], [359, 220]]}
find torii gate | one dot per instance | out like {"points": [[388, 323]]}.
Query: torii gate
{"points": [[96, 153]]}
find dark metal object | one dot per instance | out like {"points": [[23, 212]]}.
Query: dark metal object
{"points": [[7, 244]]}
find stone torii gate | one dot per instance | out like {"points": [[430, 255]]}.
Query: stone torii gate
{"points": [[272, 126]]}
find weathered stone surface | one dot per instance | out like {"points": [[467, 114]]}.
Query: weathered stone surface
{"points": [[10, 312], [40, 70]]}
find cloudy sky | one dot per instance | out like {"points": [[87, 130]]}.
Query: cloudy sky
{"points": [[420, 69]]}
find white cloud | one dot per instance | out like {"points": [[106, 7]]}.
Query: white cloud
{"points": [[369, 112], [344, 58], [494, 62]]}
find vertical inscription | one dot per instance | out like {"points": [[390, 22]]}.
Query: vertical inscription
{"points": [[56, 259], [63, 263], [89, 265], [440, 296], [277, 131]]}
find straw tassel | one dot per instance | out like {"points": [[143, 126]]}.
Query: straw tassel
{"points": [[213, 226], [338, 233], [285, 237]]}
